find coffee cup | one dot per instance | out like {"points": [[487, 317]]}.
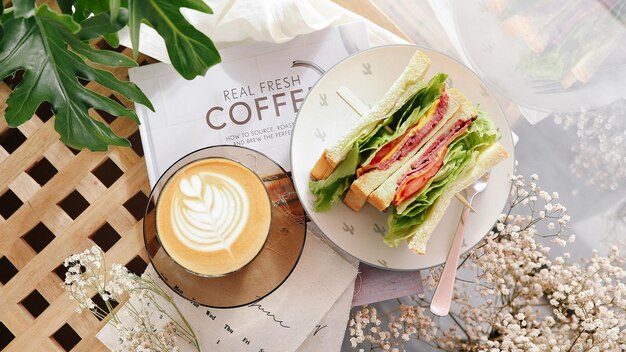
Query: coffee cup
{"points": [[224, 227]]}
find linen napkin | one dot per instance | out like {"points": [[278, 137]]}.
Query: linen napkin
{"points": [[283, 320]]}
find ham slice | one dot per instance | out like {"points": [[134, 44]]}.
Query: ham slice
{"points": [[417, 181], [400, 147], [427, 166]]}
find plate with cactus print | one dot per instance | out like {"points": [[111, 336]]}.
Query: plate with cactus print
{"points": [[325, 117]]}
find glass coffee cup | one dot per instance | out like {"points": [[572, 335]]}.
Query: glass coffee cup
{"points": [[224, 227]]}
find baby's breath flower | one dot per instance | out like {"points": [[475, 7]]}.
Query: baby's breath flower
{"points": [[86, 276], [519, 299], [599, 154]]}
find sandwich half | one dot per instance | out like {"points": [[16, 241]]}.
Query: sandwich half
{"points": [[395, 130], [403, 143], [405, 86], [419, 192]]}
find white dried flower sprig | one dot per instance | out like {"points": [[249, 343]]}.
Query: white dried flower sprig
{"points": [[600, 154], [517, 298], [86, 275]]}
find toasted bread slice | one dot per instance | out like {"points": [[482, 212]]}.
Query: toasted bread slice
{"points": [[403, 88], [485, 162], [363, 186], [322, 168]]}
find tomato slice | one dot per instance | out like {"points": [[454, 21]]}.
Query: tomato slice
{"points": [[416, 183]]}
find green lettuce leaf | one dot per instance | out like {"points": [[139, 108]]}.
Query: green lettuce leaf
{"points": [[330, 190], [462, 153], [405, 117]]}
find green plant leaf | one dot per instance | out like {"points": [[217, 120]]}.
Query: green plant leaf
{"points": [[85, 8], [114, 8], [190, 51], [97, 18], [101, 24], [39, 45], [66, 6], [113, 39], [1, 13], [24, 8]]}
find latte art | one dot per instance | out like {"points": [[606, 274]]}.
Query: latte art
{"points": [[209, 211], [213, 216]]}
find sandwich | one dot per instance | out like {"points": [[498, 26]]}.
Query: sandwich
{"points": [[417, 194], [418, 147], [569, 41], [394, 130]]}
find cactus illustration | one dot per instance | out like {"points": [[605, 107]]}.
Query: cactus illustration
{"points": [[380, 229], [487, 47], [320, 134], [483, 91], [367, 68], [323, 100], [348, 228]]}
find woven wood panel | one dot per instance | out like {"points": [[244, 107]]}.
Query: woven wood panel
{"points": [[55, 201]]}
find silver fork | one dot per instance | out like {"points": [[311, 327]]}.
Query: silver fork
{"points": [[547, 86], [440, 304]]}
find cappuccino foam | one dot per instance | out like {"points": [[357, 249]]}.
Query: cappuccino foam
{"points": [[213, 216]]}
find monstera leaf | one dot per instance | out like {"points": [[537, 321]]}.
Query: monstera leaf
{"points": [[24, 8], [97, 18], [52, 51], [190, 51], [1, 13], [103, 24], [40, 45]]}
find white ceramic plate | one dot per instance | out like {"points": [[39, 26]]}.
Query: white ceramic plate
{"points": [[324, 118]]}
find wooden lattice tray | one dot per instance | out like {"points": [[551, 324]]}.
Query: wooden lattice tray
{"points": [[56, 201]]}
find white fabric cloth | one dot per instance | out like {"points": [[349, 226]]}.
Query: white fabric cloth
{"points": [[236, 22]]}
